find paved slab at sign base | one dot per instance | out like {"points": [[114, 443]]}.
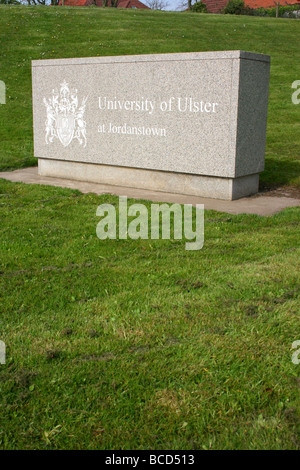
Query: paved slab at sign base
{"points": [[259, 204]]}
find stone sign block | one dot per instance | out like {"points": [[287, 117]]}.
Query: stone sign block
{"points": [[191, 123]]}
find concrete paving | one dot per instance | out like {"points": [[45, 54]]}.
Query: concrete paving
{"points": [[260, 204]]}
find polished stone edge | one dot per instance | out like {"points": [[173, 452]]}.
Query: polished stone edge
{"points": [[154, 58], [193, 185]]}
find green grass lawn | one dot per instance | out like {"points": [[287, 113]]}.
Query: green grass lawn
{"points": [[124, 344]]}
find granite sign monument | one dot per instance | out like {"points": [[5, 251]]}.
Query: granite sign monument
{"points": [[190, 123]]}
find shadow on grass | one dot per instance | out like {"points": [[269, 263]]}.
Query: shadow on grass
{"points": [[278, 173], [27, 162]]}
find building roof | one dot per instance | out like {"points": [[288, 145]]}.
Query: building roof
{"points": [[74, 3], [99, 3], [216, 6], [269, 3]]}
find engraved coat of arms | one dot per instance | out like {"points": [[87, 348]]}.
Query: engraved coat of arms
{"points": [[65, 118]]}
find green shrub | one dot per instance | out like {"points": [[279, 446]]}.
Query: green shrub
{"points": [[199, 7], [285, 11], [235, 7]]}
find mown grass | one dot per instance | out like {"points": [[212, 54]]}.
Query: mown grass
{"points": [[127, 344], [123, 344], [41, 33]]}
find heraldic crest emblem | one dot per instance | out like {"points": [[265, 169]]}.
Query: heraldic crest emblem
{"points": [[65, 118]]}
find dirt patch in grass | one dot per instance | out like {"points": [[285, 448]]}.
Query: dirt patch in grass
{"points": [[282, 191]]}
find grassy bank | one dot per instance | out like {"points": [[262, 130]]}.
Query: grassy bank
{"points": [[41, 33]]}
